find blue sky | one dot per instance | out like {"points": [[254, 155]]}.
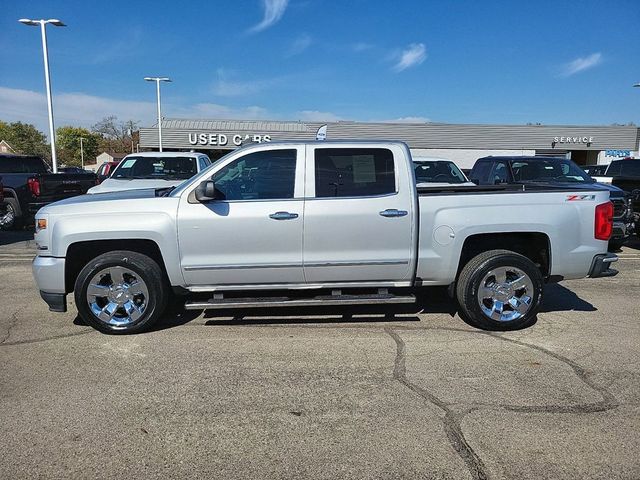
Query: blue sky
{"points": [[553, 62]]}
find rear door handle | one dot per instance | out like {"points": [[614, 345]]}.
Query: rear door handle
{"points": [[393, 212], [283, 216]]}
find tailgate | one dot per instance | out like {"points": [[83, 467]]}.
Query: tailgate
{"points": [[63, 185]]}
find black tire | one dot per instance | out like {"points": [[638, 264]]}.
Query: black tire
{"points": [[10, 210], [144, 269], [469, 284]]}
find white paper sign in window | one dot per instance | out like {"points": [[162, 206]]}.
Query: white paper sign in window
{"points": [[364, 169]]}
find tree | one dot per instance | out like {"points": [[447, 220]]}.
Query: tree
{"points": [[68, 145], [116, 136], [25, 139]]}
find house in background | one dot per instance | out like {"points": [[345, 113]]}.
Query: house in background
{"points": [[5, 147], [105, 157]]}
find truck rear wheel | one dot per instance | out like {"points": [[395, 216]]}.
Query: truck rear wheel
{"points": [[9, 218], [121, 292], [499, 290]]}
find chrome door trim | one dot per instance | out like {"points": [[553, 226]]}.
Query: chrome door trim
{"points": [[293, 265], [192, 268], [356, 264]]}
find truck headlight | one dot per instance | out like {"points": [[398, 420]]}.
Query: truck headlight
{"points": [[41, 224]]}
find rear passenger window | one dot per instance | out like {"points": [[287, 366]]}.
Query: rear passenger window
{"points": [[351, 172]]}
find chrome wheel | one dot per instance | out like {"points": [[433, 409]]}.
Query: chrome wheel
{"points": [[7, 218], [505, 294], [117, 296]]}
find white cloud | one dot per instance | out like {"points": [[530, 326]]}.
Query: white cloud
{"points": [[299, 45], [80, 109], [273, 11], [581, 63], [413, 55], [317, 116], [361, 47], [408, 120], [214, 110]]}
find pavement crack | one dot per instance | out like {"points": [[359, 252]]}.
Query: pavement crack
{"points": [[12, 323], [38, 340], [452, 420], [608, 401]]}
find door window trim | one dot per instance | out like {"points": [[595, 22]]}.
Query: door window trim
{"points": [[310, 180], [299, 178]]}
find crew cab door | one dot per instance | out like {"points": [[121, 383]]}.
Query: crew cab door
{"points": [[359, 215], [252, 233]]}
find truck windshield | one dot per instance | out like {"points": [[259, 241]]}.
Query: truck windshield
{"points": [[437, 171], [163, 168], [549, 170]]}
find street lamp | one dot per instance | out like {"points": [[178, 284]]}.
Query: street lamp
{"points": [[45, 53], [82, 152], [158, 80]]}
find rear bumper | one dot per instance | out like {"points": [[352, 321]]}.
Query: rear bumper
{"points": [[601, 265]]}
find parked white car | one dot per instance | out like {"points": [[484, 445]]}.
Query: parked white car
{"points": [[438, 172], [153, 170]]}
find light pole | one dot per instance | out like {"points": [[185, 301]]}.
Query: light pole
{"points": [[158, 80], [81, 153], [637, 85], [45, 53]]}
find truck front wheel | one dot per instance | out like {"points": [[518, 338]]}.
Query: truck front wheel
{"points": [[499, 290], [121, 292]]}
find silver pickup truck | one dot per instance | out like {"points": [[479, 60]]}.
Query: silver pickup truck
{"points": [[317, 223]]}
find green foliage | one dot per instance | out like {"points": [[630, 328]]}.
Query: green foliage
{"points": [[25, 138], [68, 145]]}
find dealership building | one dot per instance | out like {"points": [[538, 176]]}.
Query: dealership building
{"points": [[462, 143]]}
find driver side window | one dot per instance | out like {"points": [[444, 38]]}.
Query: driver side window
{"points": [[258, 176]]}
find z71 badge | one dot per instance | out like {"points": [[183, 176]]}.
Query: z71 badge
{"points": [[577, 198]]}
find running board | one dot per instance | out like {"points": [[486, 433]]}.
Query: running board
{"points": [[319, 301]]}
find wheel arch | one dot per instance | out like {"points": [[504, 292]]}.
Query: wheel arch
{"points": [[80, 253], [536, 246]]}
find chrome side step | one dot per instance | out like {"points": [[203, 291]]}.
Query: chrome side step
{"points": [[318, 301]]}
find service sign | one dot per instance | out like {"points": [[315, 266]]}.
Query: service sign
{"points": [[222, 140]]}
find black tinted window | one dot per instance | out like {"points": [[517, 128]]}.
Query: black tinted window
{"points": [[170, 168], [351, 172], [480, 173], [10, 164], [258, 176], [630, 168]]}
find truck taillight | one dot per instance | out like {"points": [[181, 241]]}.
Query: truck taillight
{"points": [[34, 186], [604, 221]]}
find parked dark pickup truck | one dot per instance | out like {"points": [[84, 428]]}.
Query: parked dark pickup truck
{"points": [[29, 186], [625, 174], [555, 171]]}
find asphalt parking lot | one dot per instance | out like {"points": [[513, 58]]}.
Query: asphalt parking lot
{"points": [[323, 395]]}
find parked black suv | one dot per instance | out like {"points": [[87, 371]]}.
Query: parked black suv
{"points": [[28, 186], [559, 172]]}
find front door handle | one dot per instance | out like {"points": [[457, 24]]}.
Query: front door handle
{"points": [[393, 212], [283, 216]]}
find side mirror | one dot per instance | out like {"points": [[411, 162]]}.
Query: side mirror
{"points": [[206, 191]]}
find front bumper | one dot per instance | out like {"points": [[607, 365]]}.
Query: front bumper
{"points": [[48, 272], [601, 265]]}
